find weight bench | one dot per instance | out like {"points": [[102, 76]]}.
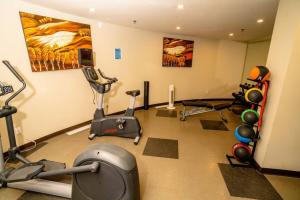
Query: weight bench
{"points": [[202, 107]]}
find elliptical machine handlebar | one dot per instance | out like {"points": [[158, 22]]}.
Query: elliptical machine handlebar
{"points": [[19, 77], [11, 68]]}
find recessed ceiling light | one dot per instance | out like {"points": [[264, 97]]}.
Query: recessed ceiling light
{"points": [[260, 21], [178, 27], [231, 34], [180, 6], [92, 9]]}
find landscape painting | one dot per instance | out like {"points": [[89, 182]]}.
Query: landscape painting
{"points": [[177, 52], [52, 44]]}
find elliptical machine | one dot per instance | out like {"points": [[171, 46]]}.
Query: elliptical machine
{"points": [[126, 125], [102, 171]]}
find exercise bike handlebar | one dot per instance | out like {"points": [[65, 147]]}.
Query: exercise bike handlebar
{"points": [[111, 80], [18, 76]]}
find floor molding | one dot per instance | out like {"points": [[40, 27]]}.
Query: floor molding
{"points": [[51, 135], [279, 172], [74, 127]]}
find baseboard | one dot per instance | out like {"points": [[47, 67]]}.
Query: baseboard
{"points": [[278, 172], [60, 132], [281, 172], [51, 135]]}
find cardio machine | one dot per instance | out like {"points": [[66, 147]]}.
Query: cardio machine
{"points": [[126, 125], [102, 171]]}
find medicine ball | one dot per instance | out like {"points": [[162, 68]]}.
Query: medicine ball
{"points": [[259, 73], [250, 116], [244, 133], [254, 95], [241, 152]]}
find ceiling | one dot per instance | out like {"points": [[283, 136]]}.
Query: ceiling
{"points": [[203, 18]]}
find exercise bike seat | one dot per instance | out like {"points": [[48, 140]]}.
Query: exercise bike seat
{"points": [[133, 93]]}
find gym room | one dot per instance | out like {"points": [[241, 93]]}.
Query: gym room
{"points": [[149, 99]]}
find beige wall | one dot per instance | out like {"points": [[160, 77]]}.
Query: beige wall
{"points": [[257, 54], [56, 100], [279, 144], [284, 143]]}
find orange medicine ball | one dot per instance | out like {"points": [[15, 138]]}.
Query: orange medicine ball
{"points": [[259, 73]]}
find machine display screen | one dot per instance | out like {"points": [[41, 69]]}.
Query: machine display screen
{"points": [[6, 89], [85, 57]]}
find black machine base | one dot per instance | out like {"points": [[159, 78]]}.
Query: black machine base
{"points": [[127, 127], [249, 164]]}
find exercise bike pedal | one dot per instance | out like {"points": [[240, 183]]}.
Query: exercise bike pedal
{"points": [[52, 165], [121, 123], [136, 140], [92, 136], [182, 118]]}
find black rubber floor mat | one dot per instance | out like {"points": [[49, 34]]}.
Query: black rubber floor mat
{"points": [[161, 148], [166, 113], [247, 183], [214, 125], [39, 196]]}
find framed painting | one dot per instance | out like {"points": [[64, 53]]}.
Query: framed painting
{"points": [[177, 52], [52, 44]]}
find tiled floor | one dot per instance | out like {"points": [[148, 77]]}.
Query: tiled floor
{"points": [[194, 176]]}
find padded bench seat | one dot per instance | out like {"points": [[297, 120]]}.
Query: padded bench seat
{"points": [[195, 103], [206, 105], [222, 106]]}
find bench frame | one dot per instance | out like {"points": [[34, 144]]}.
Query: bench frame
{"points": [[202, 107]]}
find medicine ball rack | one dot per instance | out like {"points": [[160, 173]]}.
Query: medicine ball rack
{"points": [[259, 107]]}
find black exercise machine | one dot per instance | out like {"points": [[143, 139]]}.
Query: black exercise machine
{"points": [[102, 171], [126, 125]]}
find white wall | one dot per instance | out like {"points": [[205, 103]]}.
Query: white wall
{"points": [[57, 100], [256, 54], [279, 144]]}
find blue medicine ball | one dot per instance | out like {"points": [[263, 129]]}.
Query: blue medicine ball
{"points": [[244, 133]]}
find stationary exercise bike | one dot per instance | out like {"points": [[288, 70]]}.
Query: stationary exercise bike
{"points": [[102, 171], [126, 125]]}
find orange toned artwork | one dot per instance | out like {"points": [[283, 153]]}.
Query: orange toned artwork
{"points": [[52, 44], [177, 52]]}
